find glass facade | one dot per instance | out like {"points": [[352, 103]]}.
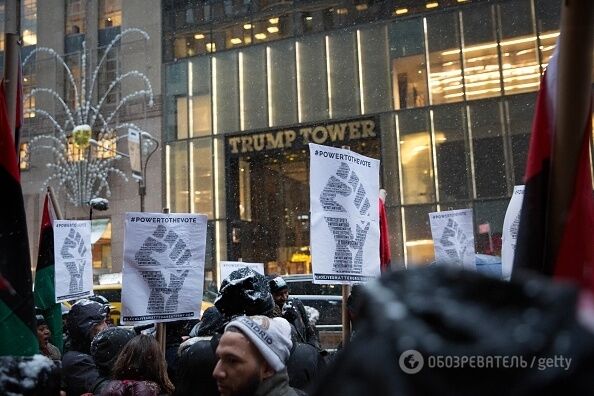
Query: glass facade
{"points": [[450, 93]]}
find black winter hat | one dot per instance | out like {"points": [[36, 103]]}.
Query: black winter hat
{"points": [[245, 292], [211, 321], [83, 315], [106, 346], [40, 319]]}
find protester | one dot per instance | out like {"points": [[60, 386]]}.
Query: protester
{"points": [[197, 358], [417, 327], [253, 354], [29, 376], [243, 292], [43, 336], [293, 310], [140, 369], [105, 302], [85, 320], [105, 349]]}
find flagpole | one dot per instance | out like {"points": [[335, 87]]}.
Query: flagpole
{"points": [[12, 28], [574, 90]]}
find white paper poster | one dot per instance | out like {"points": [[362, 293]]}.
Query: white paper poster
{"points": [[229, 266], [73, 259], [511, 224], [163, 272], [453, 237], [344, 195]]}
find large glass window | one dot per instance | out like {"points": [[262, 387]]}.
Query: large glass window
{"points": [[108, 74], [177, 177], [282, 89], [73, 62], [418, 240], [29, 21], [407, 51], [374, 64], [225, 92], [312, 84], [252, 89], [488, 151], [201, 176], [449, 123], [482, 78], [199, 78], [415, 156], [520, 111], [445, 68], [110, 13], [75, 16], [176, 91], [521, 71], [343, 87], [548, 19]]}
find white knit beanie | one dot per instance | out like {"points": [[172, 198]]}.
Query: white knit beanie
{"points": [[272, 337]]}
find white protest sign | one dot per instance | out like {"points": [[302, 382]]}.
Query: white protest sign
{"points": [[511, 224], [344, 197], [73, 259], [453, 237], [229, 266], [163, 272]]}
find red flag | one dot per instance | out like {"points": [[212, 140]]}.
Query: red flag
{"points": [[385, 254], [17, 320], [575, 257]]}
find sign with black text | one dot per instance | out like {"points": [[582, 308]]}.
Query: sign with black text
{"points": [[453, 237], [73, 259], [163, 272], [344, 199]]}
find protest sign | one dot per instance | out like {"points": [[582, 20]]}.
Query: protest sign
{"points": [[344, 197], [511, 224], [229, 266], [453, 237], [163, 274], [73, 259]]}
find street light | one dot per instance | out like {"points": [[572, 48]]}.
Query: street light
{"points": [[143, 165]]}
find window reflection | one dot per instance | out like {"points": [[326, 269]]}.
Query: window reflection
{"points": [[418, 240], [488, 149], [415, 157], [201, 177], [177, 177], [110, 13], [445, 69], [407, 51], [75, 16]]}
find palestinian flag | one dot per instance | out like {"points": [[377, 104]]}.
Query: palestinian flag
{"points": [[575, 256], [45, 293], [17, 319]]}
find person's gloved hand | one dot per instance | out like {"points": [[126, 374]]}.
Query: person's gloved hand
{"points": [[289, 312]]}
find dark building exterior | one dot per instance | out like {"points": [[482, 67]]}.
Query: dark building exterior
{"points": [[441, 91]]}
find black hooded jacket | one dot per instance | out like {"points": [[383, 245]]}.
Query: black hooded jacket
{"points": [[79, 372], [424, 319]]}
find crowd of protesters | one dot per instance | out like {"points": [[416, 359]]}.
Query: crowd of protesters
{"points": [[256, 340]]}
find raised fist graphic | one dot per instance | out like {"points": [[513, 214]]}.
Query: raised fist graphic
{"points": [[166, 244], [344, 191], [74, 251]]}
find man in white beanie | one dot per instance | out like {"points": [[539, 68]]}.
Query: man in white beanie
{"points": [[252, 357]]}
